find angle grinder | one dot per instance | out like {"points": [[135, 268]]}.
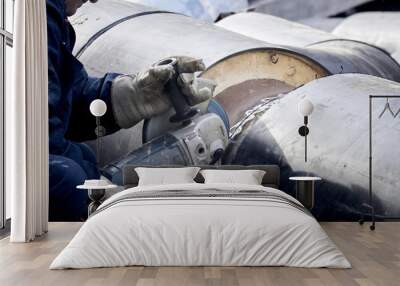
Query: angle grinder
{"points": [[184, 135]]}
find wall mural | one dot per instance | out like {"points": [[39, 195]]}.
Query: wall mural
{"points": [[253, 117]]}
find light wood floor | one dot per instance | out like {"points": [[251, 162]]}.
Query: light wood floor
{"points": [[375, 257]]}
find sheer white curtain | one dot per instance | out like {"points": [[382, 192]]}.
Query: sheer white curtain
{"points": [[27, 123]]}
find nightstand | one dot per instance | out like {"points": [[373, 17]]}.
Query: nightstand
{"points": [[305, 188], [96, 192]]}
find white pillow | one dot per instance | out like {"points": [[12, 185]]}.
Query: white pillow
{"points": [[166, 176], [247, 177]]}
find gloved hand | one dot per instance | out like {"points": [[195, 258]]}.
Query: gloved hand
{"points": [[195, 89], [142, 96]]}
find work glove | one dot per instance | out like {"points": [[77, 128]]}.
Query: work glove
{"points": [[142, 96]]}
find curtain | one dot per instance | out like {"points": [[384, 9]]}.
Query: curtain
{"points": [[27, 124]]}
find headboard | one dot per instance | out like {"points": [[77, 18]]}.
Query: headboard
{"points": [[271, 177]]}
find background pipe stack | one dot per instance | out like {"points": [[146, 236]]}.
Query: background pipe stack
{"points": [[274, 30], [377, 28], [369, 40]]}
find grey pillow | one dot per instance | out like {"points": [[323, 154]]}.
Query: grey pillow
{"points": [[166, 176], [246, 177]]}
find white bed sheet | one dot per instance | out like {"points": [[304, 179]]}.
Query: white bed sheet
{"points": [[200, 231]]}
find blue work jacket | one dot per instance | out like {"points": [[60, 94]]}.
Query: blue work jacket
{"points": [[71, 91]]}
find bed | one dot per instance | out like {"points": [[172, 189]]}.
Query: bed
{"points": [[201, 224]]}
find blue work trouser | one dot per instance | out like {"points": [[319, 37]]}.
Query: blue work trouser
{"points": [[66, 203]]}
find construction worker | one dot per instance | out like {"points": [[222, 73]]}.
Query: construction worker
{"points": [[129, 98]]}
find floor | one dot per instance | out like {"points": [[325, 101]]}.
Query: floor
{"points": [[375, 257]]}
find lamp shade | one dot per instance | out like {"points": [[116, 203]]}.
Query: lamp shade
{"points": [[305, 107], [98, 107]]}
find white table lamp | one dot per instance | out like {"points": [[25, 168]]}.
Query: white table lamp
{"points": [[305, 109], [98, 108]]}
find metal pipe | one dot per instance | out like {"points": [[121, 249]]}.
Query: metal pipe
{"points": [[279, 31], [141, 36], [376, 28], [339, 146], [274, 30]]}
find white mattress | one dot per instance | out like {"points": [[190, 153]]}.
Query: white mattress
{"points": [[185, 230]]}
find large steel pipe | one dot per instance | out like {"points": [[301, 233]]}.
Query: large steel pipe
{"points": [[377, 28], [133, 42], [304, 9], [372, 37], [274, 30], [338, 143], [198, 9], [131, 37]]}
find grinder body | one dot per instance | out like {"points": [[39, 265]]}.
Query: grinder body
{"points": [[201, 142]]}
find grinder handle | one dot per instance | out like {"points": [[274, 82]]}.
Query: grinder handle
{"points": [[183, 111]]}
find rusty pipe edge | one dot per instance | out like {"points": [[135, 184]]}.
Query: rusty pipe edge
{"points": [[246, 78]]}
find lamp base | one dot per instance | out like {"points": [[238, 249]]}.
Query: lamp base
{"points": [[304, 131], [372, 214]]}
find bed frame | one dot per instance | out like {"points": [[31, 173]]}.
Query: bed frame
{"points": [[271, 177]]}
